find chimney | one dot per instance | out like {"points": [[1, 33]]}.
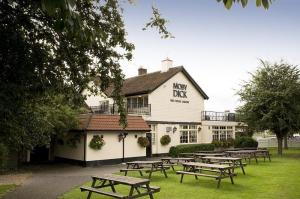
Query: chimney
{"points": [[166, 65], [142, 71]]}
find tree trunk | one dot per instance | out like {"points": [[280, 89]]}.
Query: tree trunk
{"points": [[285, 143], [279, 139]]}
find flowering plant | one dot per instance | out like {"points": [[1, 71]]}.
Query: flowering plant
{"points": [[97, 142]]}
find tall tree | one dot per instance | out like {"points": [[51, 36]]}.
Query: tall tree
{"points": [[272, 99]]}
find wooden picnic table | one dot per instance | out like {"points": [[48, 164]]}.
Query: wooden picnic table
{"points": [[196, 168], [201, 155], [147, 166], [235, 162], [190, 155], [169, 161], [138, 187], [263, 153], [249, 154]]}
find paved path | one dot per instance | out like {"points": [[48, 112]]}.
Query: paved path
{"points": [[51, 181]]}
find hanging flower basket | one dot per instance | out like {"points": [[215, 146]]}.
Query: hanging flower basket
{"points": [[165, 140], [97, 142], [143, 141]]}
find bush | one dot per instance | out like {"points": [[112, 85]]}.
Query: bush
{"points": [[143, 141], [244, 142], [190, 148], [223, 143], [3, 156], [165, 140], [96, 143]]}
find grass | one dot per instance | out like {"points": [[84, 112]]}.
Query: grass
{"points": [[6, 188], [265, 180]]}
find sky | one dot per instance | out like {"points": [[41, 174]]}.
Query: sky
{"points": [[218, 47]]}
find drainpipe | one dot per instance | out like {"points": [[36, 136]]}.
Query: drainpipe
{"points": [[123, 136]]}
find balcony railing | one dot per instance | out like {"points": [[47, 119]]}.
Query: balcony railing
{"points": [[219, 116], [132, 109]]}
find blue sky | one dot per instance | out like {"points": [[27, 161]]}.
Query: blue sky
{"points": [[218, 47]]}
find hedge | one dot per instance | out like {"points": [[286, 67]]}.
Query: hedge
{"points": [[190, 148], [244, 142], [3, 156]]}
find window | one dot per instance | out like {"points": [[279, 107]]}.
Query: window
{"points": [[188, 134], [137, 102], [183, 136], [153, 128], [222, 132]]}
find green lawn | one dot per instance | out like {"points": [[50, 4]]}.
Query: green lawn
{"points": [[277, 179], [6, 188]]}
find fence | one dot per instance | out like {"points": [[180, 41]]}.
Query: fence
{"points": [[272, 142]]}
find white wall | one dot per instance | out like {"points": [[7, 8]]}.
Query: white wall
{"points": [[272, 142], [162, 109], [206, 131], [113, 148], [175, 138], [65, 151]]}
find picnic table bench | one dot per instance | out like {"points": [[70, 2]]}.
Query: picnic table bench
{"points": [[169, 161], [235, 162], [146, 166], [195, 168], [244, 154], [138, 187]]}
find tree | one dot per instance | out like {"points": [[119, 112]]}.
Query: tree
{"points": [[272, 99], [55, 48]]}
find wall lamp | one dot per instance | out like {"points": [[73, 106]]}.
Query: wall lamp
{"points": [[174, 129]]}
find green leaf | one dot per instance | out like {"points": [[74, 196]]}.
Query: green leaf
{"points": [[228, 4], [244, 3], [265, 4], [258, 3]]}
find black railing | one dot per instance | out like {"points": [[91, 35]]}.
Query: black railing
{"points": [[219, 116], [132, 109]]}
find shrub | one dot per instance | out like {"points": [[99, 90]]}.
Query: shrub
{"points": [[97, 142], [223, 143], [244, 142], [3, 156], [165, 140], [143, 141], [190, 148]]}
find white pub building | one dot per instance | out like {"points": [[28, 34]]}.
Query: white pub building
{"points": [[171, 103]]}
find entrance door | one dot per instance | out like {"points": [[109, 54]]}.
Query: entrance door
{"points": [[149, 147], [39, 155]]}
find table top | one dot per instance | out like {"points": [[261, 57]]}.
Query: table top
{"points": [[123, 179], [221, 158], [186, 153], [214, 166], [145, 162], [180, 158], [209, 154], [242, 151]]}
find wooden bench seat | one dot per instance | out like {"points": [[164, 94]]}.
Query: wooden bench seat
{"points": [[197, 174], [107, 193]]}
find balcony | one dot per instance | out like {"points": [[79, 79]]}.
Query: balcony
{"points": [[219, 116], [132, 109]]}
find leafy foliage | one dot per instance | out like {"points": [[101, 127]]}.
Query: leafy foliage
{"points": [[96, 142], [3, 156], [244, 142], [259, 3], [223, 143], [190, 148], [143, 141], [165, 140], [272, 99]]}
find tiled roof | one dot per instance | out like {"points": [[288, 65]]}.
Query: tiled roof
{"points": [[96, 122], [147, 83]]}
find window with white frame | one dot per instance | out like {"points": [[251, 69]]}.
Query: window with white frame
{"points": [[153, 133], [222, 132], [188, 133]]}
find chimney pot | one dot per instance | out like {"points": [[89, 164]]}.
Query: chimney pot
{"points": [[142, 71], [166, 64]]}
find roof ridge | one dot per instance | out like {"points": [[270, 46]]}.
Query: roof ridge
{"points": [[159, 71]]}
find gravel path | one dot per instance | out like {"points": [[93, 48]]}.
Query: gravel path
{"points": [[51, 181]]}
